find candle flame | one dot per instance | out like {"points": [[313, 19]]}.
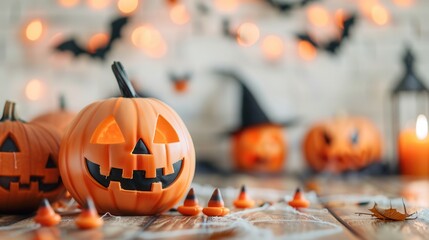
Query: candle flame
{"points": [[421, 127]]}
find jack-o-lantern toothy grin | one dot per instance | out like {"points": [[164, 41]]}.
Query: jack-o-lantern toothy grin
{"points": [[6, 181], [138, 182]]}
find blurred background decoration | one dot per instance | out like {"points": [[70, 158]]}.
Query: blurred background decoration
{"points": [[303, 58]]}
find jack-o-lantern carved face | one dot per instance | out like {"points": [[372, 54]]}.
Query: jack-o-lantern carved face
{"points": [[260, 148], [28, 160], [133, 156], [342, 144]]}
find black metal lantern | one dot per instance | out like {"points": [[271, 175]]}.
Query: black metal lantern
{"points": [[410, 98]]}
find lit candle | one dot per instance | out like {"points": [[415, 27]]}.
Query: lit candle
{"points": [[413, 148]]}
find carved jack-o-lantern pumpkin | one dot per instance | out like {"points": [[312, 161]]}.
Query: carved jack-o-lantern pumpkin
{"points": [[58, 120], [342, 144], [28, 163], [261, 148], [133, 156]]}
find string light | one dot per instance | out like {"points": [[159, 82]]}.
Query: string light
{"points": [[379, 14], [34, 30], [179, 14], [226, 5], [339, 17], [318, 16], [272, 47], [306, 50], [34, 90], [68, 3], [97, 41], [98, 4], [247, 34], [149, 40], [127, 6]]}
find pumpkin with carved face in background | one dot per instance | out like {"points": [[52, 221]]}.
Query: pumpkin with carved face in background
{"points": [[28, 163], [258, 144], [131, 155], [259, 148], [342, 144]]}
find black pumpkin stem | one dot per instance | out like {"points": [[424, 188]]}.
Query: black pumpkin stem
{"points": [[9, 112], [125, 86]]}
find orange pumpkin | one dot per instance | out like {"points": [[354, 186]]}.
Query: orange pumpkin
{"points": [[342, 144], [132, 156], [58, 120], [260, 148], [28, 160]]}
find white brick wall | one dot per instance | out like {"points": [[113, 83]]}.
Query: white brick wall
{"points": [[365, 69]]}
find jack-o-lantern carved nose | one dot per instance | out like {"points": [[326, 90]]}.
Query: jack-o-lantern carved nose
{"points": [[140, 148]]}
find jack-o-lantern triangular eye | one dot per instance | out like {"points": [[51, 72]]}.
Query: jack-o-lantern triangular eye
{"points": [[50, 163], [165, 133], [9, 145], [108, 132]]}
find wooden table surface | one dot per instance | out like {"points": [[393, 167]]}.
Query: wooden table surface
{"points": [[330, 216]]}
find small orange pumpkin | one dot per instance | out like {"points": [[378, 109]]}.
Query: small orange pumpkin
{"points": [[28, 160], [342, 144], [260, 148], [131, 155], [58, 120]]}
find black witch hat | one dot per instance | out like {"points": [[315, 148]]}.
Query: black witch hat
{"points": [[252, 113]]}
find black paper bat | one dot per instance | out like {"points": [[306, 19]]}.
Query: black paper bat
{"points": [[333, 45], [285, 6], [115, 33]]}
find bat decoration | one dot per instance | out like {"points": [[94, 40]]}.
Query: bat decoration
{"points": [[287, 5], [333, 45], [180, 81], [390, 213], [115, 33]]}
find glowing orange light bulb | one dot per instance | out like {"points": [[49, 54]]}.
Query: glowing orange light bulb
{"points": [[179, 14], [226, 5], [98, 4], [379, 14], [247, 34], [149, 40], [97, 41], [68, 3], [318, 16], [34, 89], [272, 47], [127, 6], [34, 30], [306, 50]]}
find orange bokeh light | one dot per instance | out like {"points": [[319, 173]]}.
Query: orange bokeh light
{"points": [[179, 14], [68, 3], [318, 16], [149, 40], [339, 17], [379, 14], [34, 30], [272, 47], [98, 4], [247, 34], [306, 51], [34, 89], [97, 41], [127, 6], [403, 3], [226, 5]]}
